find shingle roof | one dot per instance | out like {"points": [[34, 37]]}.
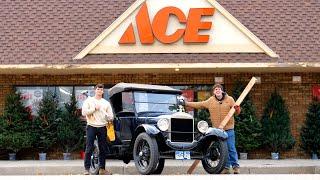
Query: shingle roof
{"points": [[53, 32]]}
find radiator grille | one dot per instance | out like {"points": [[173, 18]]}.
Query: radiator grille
{"points": [[181, 130]]}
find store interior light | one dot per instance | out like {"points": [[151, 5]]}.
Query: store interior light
{"points": [[296, 79], [176, 69], [64, 91], [258, 79], [218, 80]]}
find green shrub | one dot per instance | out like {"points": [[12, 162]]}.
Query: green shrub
{"points": [[247, 126], [276, 125], [15, 141], [70, 131], [15, 125], [46, 122], [310, 131]]}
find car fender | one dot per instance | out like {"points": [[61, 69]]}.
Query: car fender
{"points": [[216, 132], [149, 129]]}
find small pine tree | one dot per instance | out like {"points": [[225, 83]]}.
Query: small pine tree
{"points": [[247, 127], [15, 125], [45, 123], [70, 132], [276, 124], [310, 131], [16, 115]]}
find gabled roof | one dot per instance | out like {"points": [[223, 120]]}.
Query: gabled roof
{"points": [[97, 46], [51, 33]]}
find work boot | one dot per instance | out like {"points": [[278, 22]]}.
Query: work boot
{"points": [[86, 172], [225, 171], [236, 170], [104, 172]]}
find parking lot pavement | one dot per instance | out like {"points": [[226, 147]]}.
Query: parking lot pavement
{"points": [[172, 167], [175, 177]]}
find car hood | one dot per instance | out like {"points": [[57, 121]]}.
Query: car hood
{"points": [[155, 116]]}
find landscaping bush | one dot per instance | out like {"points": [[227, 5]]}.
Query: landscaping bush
{"points": [[70, 131], [46, 122], [247, 126], [310, 131], [276, 125], [15, 125]]}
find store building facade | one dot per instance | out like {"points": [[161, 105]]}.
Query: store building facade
{"points": [[188, 45]]}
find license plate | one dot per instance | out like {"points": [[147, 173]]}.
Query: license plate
{"points": [[182, 155]]}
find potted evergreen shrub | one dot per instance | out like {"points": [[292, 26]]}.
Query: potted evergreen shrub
{"points": [[45, 124], [247, 126], [15, 125], [276, 126], [15, 141], [70, 131], [309, 134]]}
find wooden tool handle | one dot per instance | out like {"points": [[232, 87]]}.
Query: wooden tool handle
{"points": [[239, 101], [193, 166]]}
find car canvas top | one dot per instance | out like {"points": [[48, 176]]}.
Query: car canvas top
{"points": [[120, 87]]}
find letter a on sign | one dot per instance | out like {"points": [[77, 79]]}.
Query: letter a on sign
{"points": [[144, 29], [160, 25], [179, 26]]}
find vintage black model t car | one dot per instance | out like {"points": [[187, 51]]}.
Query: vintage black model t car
{"points": [[151, 126]]}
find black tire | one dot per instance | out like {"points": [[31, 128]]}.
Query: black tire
{"points": [[216, 157], [94, 161], [145, 154], [159, 167]]}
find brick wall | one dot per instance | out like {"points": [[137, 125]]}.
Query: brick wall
{"points": [[296, 95]]}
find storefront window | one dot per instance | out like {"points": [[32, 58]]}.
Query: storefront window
{"points": [[63, 93], [32, 95], [82, 92]]}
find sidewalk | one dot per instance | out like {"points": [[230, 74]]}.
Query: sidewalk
{"points": [[172, 167]]}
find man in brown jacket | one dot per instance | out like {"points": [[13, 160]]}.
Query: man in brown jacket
{"points": [[219, 105]]}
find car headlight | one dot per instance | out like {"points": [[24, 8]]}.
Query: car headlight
{"points": [[203, 126], [163, 124]]}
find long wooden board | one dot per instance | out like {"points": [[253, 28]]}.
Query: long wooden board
{"points": [[229, 115], [239, 101]]}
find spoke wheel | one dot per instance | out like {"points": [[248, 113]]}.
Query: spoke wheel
{"points": [[215, 157], [94, 167], [145, 154], [159, 167]]}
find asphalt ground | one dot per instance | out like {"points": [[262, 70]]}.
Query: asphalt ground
{"points": [[173, 177], [172, 167]]}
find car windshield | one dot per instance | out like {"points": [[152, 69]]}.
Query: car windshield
{"points": [[153, 102]]}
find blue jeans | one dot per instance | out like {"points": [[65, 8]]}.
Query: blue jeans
{"points": [[233, 155], [92, 133]]}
